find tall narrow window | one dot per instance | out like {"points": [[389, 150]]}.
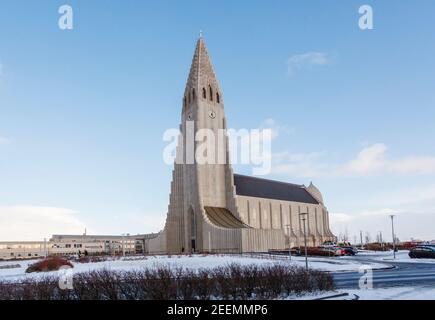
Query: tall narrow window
{"points": [[193, 94], [218, 98], [204, 93], [185, 101], [193, 230], [211, 93]]}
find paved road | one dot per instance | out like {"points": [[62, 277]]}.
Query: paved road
{"points": [[403, 274]]}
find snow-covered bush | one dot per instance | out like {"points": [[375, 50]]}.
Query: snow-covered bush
{"points": [[164, 283]]}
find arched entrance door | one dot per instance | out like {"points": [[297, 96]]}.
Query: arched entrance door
{"points": [[192, 229]]}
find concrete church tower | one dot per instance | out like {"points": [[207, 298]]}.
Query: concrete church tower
{"points": [[199, 187], [206, 213]]}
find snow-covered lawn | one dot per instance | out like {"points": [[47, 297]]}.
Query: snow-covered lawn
{"points": [[192, 262], [336, 264], [197, 261]]}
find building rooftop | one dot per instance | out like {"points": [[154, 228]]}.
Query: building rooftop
{"points": [[271, 189], [101, 237]]}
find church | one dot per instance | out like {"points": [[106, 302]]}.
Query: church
{"points": [[211, 209]]}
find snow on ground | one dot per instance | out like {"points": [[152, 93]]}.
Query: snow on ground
{"points": [[396, 293], [374, 253], [336, 264], [387, 256], [191, 262], [197, 261], [392, 293]]}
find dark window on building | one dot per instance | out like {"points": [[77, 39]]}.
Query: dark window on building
{"points": [[193, 94], [218, 98], [204, 93], [211, 93]]}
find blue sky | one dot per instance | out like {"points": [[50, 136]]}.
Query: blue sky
{"points": [[83, 112]]}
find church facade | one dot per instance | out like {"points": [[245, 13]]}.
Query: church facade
{"points": [[211, 209]]}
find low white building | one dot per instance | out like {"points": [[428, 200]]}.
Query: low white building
{"points": [[22, 250], [65, 245]]}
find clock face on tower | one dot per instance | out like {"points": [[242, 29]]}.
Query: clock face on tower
{"points": [[189, 116], [212, 114]]}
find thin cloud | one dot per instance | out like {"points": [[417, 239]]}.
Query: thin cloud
{"points": [[306, 60], [299, 164], [4, 141], [370, 161], [36, 223], [374, 160], [134, 223], [277, 129]]}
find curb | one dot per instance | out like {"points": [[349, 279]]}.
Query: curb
{"points": [[340, 295], [390, 267], [333, 296]]}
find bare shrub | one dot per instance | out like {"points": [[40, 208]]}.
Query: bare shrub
{"points": [[249, 281], [205, 285], [223, 282], [187, 281]]}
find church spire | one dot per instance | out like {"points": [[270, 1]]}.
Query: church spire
{"points": [[202, 78]]}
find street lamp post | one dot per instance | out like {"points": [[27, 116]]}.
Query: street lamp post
{"points": [[305, 238], [299, 237], [394, 236], [289, 243], [45, 247]]}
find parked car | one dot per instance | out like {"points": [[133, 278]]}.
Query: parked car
{"points": [[329, 244], [332, 251], [322, 251], [420, 252], [349, 251]]}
